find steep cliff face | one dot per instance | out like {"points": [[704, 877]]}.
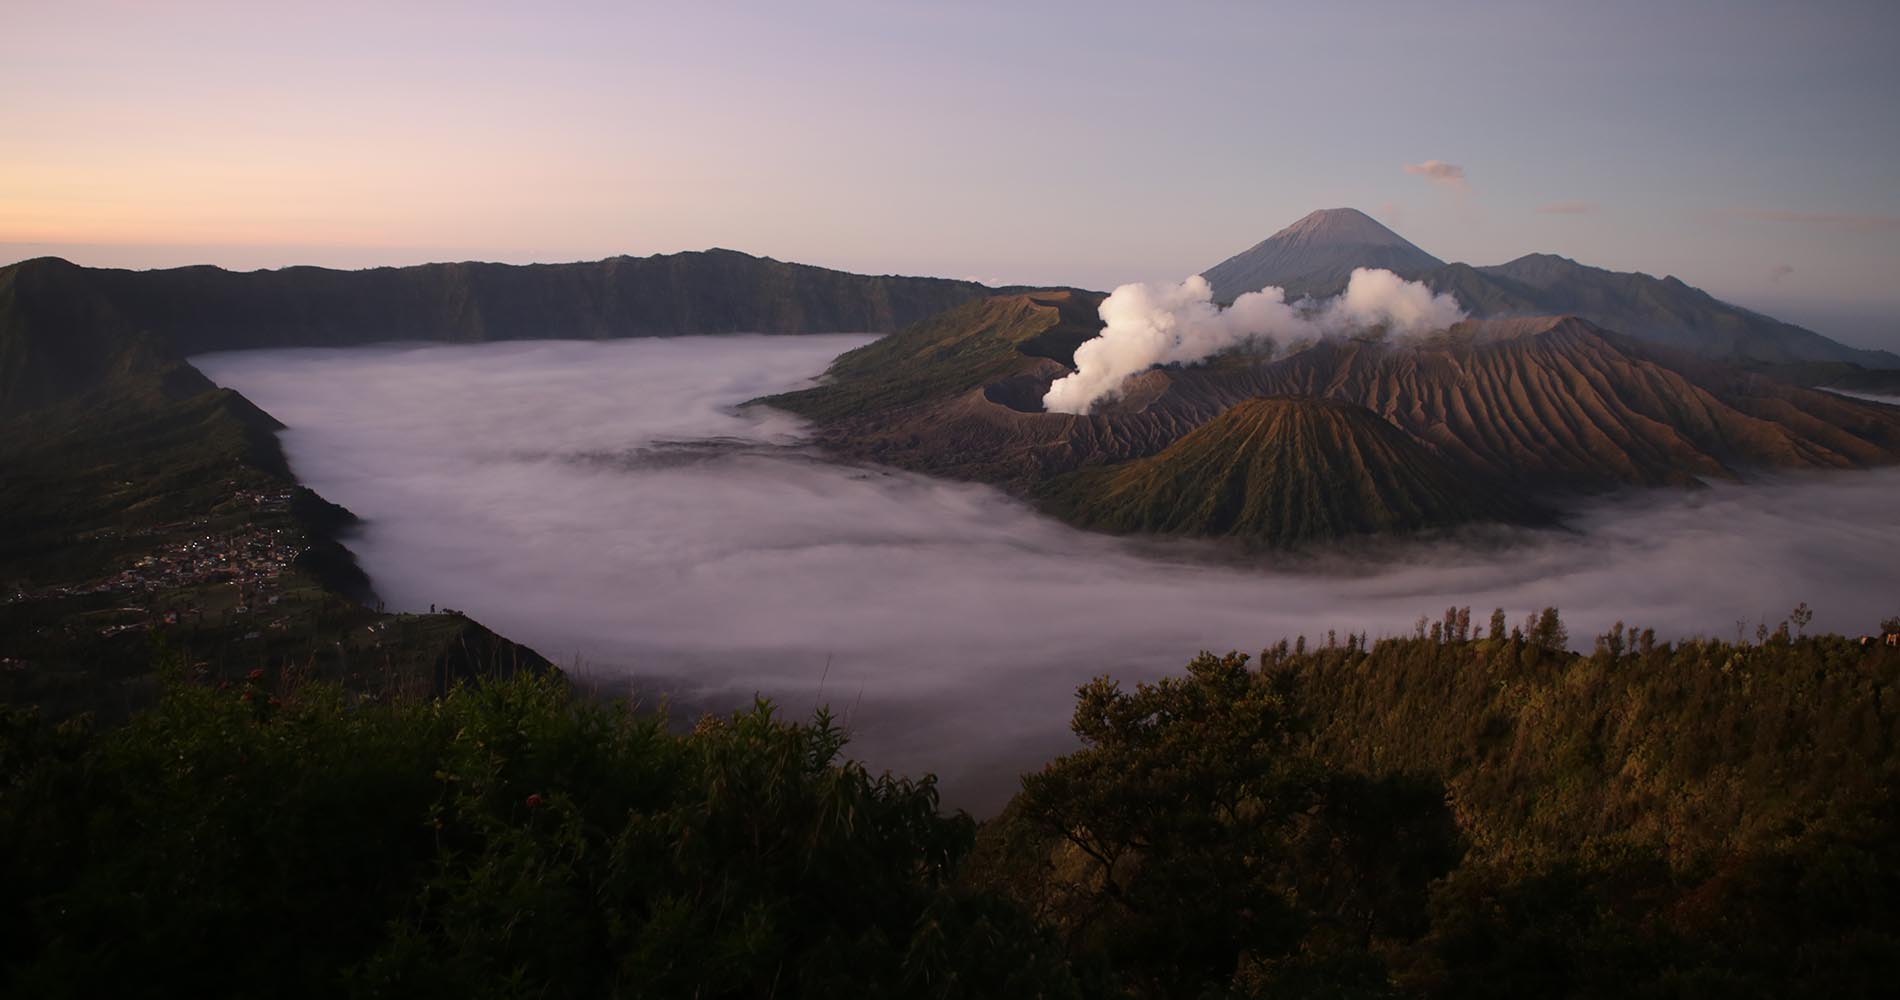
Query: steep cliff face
{"points": [[1280, 471], [715, 291], [59, 338]]}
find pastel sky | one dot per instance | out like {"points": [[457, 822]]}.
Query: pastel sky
{"points": [[1751, 149]]}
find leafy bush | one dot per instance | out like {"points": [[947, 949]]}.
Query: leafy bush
{"points": [[1443, 815], [1192, 846], [507, 840]]}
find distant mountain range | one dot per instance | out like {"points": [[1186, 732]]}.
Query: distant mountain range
{"points": [[1606, 382], [1314, 257], [64, 327]]}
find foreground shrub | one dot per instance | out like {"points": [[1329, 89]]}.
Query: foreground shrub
{"points": [[1194, 848], [508, 840]]}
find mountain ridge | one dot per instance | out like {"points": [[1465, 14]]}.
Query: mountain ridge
{"points": [[1315, 256], [64, 328]]}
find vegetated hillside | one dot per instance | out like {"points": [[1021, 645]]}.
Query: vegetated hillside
{"points": [[64, 327], [1546, 405], [137, 497], [1695, 747], [58, 339], [1281, 471], [508, 839], [159, 505], [956, 351], [1448, 815], [1477, 815], [1316, 255]]}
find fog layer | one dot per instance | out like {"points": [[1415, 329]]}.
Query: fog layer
{"points": [[607, 504]]}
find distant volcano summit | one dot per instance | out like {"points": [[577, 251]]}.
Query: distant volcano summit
{"points": [[1316, 255]]}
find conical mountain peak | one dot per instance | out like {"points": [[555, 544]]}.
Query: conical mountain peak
{"points": [[1316, 255], [1340, 227]]}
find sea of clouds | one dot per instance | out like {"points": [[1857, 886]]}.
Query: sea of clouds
{"points": [[610, 505]]}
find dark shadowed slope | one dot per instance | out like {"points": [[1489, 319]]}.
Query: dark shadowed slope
{"points": [[65, 327], [1281, 471], [58, 339], [1316, 255]]}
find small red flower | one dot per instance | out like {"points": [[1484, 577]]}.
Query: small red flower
{"points": [[224, 685], [258, 674], [534, 801], [246, 697]]}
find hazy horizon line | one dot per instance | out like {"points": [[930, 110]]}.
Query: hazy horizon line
{"points": [[1867, 324]]}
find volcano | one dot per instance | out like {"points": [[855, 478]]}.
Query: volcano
{"points": [[1316, 255]]}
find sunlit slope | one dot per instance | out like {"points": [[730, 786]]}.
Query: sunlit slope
{"points": [[1281, 471], [1561, 403], [956, 351]]}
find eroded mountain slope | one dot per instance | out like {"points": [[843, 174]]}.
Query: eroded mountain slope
{"points": [[1279, 471], [1551, 404]]}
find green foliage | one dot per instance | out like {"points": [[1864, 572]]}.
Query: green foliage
{"points": [[1692, 747], [507, 840], [1700, 819], [1191, 847], [1437, 816], [1812, 914]]}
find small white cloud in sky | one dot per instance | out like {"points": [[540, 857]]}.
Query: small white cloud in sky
{"points": [[1438, 172]]}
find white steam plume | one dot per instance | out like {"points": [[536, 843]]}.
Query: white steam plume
{"points": [[1148, 325]]}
